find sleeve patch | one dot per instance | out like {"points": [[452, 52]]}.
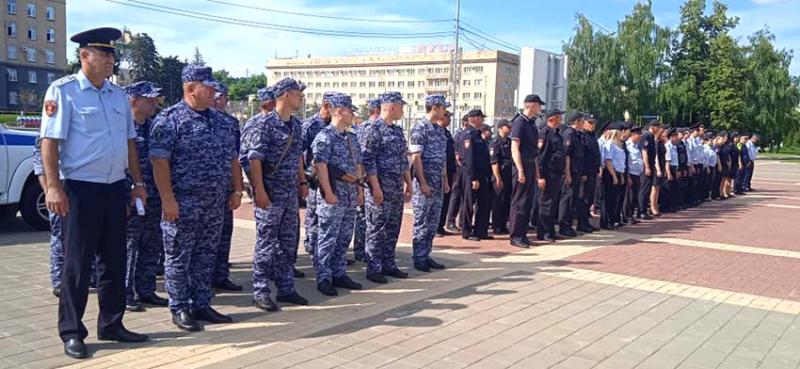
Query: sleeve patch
{"points": [[50, 108]]}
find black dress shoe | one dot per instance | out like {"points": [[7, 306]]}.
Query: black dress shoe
{"points": [[266, 304], [471, 238], [453, 227], [326, 288], [154, 300], [548, 238], [396, 273], [92, 284], [517, 242], [422, 267], [292, 298], [568, 232], [75, 348], [443, 232], [298, 274], [377, 278], [586, 229], [210, 315], [122, 335], [184, 320], [433, 264], [500, 231], [634, 221], [347, 283], [485, 237], [647, 217], [57, 291], [227, 285], [134, 306]]}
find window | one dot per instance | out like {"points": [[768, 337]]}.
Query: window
{"points": [[31, 53], [362, 84], [318, 84], [372, 84], [32, 33], [371, 96], [421, 84], [420, 96], [51, 13], [326, 84], [32, 78], [335, 85], [12, 52], [51, 35], [51, 77], [362, 96], [51, 56], [391, 83], [401, 84], [12, 29], [411, 83], [32, 10], [12, 74], [352, 84], [381, 84], [478, 82], [478, 95], [466, 82], [12, 6], [12, 98], [465, 95]]}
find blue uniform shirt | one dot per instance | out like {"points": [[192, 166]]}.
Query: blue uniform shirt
{"points": [[93, 126], [199, 148], [428, 139], [143, 150], [341, 150], [616, 154], [635, 160], [383, 148], [672, 154]]}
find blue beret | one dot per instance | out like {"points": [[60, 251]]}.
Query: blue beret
{"points": [[143, 89], [198, 73], [266, 93], [432, 100], [286, 84], [374, 104], [392, 97], [340, 100], [221, 88]]}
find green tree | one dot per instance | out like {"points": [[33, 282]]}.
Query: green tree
{"points": [[197, 58], [723, 88], [143, 58], [169, 78], [595, 83]]}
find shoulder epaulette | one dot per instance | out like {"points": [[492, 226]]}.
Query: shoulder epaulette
{"points": [[64, 80]]}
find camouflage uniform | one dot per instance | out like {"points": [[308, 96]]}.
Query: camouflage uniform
{"points": [[431, 142], [222, 268], [340, 150], [359, 234], [310, 128], [383, 151], [144, 232], [200, 149], [265, 138]]}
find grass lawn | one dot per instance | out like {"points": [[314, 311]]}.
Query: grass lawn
{"points": [[8, 119]]}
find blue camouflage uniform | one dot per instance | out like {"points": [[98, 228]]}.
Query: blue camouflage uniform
{"points": [[200, 164], [222, 268], [56, 226], [144, 232], [310, 128], [278, 145], [336, 222], [383, 151], [359, 234], [431, 142]]}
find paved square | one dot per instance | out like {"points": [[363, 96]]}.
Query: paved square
{"points": [[713, 287]]}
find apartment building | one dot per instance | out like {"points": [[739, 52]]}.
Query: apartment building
{"points": [[32, 51]]}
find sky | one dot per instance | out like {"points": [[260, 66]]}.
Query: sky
{"points": [[245, 50]]}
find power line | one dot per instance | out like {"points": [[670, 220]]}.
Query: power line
{"points": [[271, 26], [373, 20], [474, 43], [489, 37], [489, 40]]}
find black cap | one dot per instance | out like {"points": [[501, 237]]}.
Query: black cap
{"points": [[103, 39], [553, 112], [697, 126], [636, 129], [534, 98], [465, 117], [574, 117], [603, 126], [476, 113], [503, 123], [617, 126], [672, 132], [654, 123]]}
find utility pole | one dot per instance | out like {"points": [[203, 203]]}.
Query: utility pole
{"points": [[455, 68]]}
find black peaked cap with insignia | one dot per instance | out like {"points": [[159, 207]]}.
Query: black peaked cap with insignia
{"points": [[103, 38]]}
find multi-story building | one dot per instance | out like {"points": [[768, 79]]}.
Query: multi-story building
{"points": [[487, 79], [32, 51]]}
